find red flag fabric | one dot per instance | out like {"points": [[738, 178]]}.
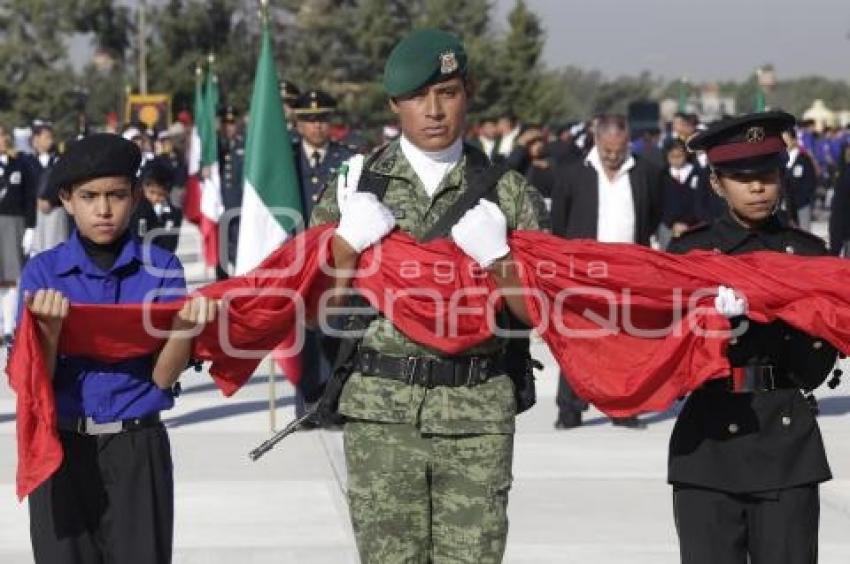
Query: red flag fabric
{"points": [[209, 238], [632, 328], [192, 199]]}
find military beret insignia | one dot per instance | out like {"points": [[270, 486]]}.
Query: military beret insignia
{"points": [[423, 57], [448, 62], [755, 135], [750, 143]]}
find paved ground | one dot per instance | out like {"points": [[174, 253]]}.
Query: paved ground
{"points": [[596, 494]]}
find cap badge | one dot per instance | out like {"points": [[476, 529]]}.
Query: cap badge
{"points": [[448, 62], [755, 135]]}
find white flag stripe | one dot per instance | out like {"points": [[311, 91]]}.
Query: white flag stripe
{"points": [[259, 232]]}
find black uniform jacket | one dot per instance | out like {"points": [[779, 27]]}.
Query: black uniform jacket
{"points": [[17, 196], [756, 442]]}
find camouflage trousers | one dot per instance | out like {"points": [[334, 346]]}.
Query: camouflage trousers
{"points": [[419, 498]]}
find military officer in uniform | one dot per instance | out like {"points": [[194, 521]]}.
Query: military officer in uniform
{"points": [[428, 451], [231, 158], [317, 158], [746, 454]]}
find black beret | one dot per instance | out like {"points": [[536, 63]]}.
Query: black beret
{"points": [[158, 170], [95, 156], [314, 104], [745, 144]]}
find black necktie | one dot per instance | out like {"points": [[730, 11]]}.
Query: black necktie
{"points": [[316, 157]]}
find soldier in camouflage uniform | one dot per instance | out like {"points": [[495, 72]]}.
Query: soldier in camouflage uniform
{"points": [[429, 466]]}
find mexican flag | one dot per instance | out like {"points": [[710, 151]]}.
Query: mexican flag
{"points": [[211, 206], [192, 199], [271, 197]]}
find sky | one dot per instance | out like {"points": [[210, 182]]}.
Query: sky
{"points": [[700, 40]]}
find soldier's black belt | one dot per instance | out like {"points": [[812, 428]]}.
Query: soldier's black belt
{"points": [[430, 372], [87, 425], [758, 378]]}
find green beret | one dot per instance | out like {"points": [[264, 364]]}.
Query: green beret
{"points": [[425, 56]]}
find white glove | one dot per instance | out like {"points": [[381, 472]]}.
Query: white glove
{"points": [[482, 233], [364, 221], [727, 304], [27, 241], [348, 178]]}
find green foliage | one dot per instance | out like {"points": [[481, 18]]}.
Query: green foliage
{"points": [[33, 68]]}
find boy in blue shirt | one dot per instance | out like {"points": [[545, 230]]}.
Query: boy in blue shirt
{"points": [[112, 498]]}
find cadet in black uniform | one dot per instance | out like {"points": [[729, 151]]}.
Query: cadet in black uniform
{"points": [[746, 454], [17, 215], [156, 219]]}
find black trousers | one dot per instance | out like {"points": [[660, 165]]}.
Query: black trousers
{"points": [[111, 501], [720, 528], [570, 405]]}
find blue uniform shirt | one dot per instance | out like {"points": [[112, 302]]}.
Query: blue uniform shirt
{"points": [[84, 387]]}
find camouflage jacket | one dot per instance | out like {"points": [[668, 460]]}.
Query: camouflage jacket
{"points": [[486, 408]]}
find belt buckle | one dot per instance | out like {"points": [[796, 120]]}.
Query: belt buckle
{"points": [[367, 362], [410, 369], [94, 428], [472, 371]]}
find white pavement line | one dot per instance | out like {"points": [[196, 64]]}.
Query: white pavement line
{"points": [[339, 474]]}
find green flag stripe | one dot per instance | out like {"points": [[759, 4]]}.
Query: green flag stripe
{"points": [[269, 161]]}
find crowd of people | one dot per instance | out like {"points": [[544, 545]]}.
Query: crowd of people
{"points": [[690, 185]]}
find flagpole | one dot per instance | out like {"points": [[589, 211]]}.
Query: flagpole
{"points": [[272, 396], [264, 6]]}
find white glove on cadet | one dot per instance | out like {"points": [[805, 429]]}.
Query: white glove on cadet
{"points": [[727, 304], [482, 233], [364, 221]]}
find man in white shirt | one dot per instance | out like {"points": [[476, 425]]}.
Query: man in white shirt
{"points": [[508, 127], [613, 197], [488, 136]]}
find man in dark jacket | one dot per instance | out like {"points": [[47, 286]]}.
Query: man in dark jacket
{"points": [[612, 197]]}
